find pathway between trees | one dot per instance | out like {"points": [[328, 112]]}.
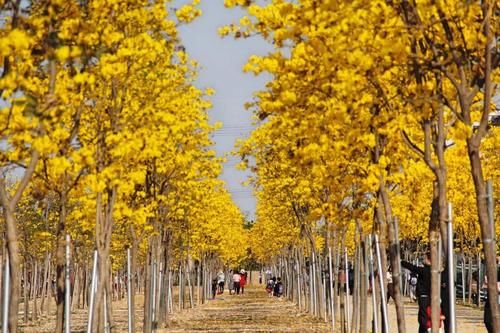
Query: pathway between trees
{"points": [[255, 312], [252, 312]]}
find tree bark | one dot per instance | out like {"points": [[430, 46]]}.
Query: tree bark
{"points": [[15, 264], [147, 292], [104, 226], [487, 234], [25, 292], [36, 280], [364, 288], [133, 278], [9, 205], [61, 263], [396, 278]]}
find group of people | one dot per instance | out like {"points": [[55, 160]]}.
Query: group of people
{"points": [[274, 287], [236, 283]]}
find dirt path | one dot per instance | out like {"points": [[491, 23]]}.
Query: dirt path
{"points": [[255, 312], [251, 312], [469, 319]]}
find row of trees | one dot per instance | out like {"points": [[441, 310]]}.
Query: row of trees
{"points": [[375, 109], [105, 137]]}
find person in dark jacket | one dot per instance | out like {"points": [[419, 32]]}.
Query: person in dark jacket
{"points": [[278, 288], [445, 299], [214, 287], [423, 289]]}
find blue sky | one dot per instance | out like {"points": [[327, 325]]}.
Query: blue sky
{"points": [[221, 61]]}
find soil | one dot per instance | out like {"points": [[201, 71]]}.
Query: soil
{"points": [[252, 312]]}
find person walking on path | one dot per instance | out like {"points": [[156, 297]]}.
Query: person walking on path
{"points": [[423, 289], [220, 281], [278, 288], [214, 287], [413, 286], [243, 280], [236, 282], [270, 286], [390, 285]]}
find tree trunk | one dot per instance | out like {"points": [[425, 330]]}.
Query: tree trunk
{"points": [[36, 279], [336, 286], [15, 266], [104, 226], [147, 292], [49, 291], [45, 284], [435, 280], [60, 264], [487, 232], [76, 287], [395, 259], [26, 300], [382, 216], [434, 235], [396, 278], [364, 288], [163, 302], [133, 277], [355, 292]]}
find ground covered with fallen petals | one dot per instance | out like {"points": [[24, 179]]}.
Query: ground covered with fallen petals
{"points": [[252, 312]]}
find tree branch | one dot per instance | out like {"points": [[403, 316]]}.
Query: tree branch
{"points": [[412, 145], [35, 155]]}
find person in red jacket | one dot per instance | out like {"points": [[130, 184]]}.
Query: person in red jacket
{"points": [[243, 280]]}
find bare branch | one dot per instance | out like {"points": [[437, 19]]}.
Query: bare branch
{"points": [[35, 155], [4, 197], [412, 145]]}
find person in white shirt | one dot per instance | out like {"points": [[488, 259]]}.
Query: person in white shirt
{"points": [[220, 281], [236, 282], [390, 286]]}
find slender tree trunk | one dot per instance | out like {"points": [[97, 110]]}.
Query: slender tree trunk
{"points": [[434, 235], [343, 289], [364, 288], [336, 263], [164, 306], [355, 292], [49, 291], [104, 226], [60, 264], [188, 279], [147, 292], [396, 278], [133, 278], [45, 284], [487, 232], [109, 296], [26, 300], [36, 279], [75, 299], [15, 266], [395, 259], [382, 216], [469, 279], [85, 280]]}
